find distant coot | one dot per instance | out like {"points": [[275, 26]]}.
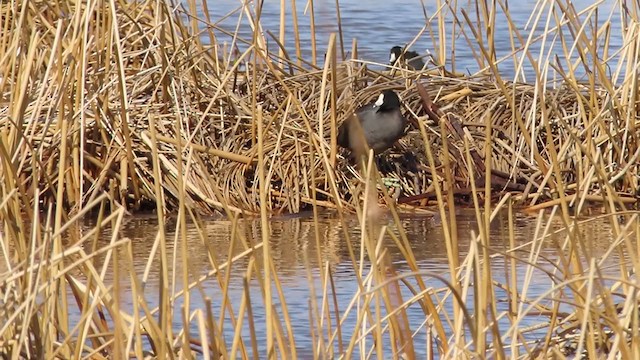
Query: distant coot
{"points": [[412, 58]]}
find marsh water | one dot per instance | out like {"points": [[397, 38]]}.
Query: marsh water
{"points": [[378, 25], [295, 256]]}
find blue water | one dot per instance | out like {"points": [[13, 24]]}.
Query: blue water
{"points": [[294, 253], [379, 25]]}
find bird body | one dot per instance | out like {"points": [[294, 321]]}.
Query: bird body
{"points": [[412, 58], [377, 125]]}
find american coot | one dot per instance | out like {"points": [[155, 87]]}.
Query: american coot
{"points": [[413, 58], [380, 123]]}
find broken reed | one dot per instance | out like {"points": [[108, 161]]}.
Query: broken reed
{"points": [[117, 104]]}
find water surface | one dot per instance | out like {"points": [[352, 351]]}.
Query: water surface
{"points": [[295, 256], [379, 25]]}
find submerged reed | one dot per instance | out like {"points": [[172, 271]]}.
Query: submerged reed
{"points": [[112, 106]]}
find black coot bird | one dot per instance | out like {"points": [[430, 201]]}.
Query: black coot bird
{"points": [[379, 123], [412, 58]]}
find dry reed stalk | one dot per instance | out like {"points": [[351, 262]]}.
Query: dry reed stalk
{"points": [[312, 28], [269, 318]]}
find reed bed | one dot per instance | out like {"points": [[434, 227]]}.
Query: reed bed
{"points": [[88, 102], [110, 107]]}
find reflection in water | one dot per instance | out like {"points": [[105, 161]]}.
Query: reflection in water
{"points": [[291, 238], [293, 246]]}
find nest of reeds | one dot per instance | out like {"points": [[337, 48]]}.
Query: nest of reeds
{"points": [[129, 114]]}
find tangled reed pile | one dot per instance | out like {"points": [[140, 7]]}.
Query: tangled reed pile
{"points": [[91, 102]]}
